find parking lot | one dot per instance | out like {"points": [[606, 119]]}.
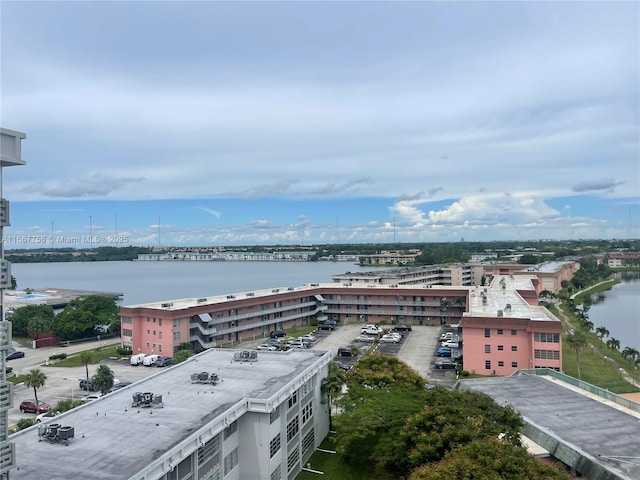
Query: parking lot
{"points": [[417, 349]]}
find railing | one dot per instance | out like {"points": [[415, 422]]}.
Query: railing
{"points": [[588, 387]]}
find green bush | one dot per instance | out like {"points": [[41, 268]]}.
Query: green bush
{"points": [[58, 356], [24, 423], [464, 373], [124, 351], [9, 370]]}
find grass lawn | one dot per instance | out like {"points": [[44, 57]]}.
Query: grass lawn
{"points": [[331, 465], [99, 354]]}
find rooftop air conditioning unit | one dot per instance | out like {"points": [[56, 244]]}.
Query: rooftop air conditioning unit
{"points": [[500, 313], [250, 294], [167, 305], [201, 300], [229, 297]]}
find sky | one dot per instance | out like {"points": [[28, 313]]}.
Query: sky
{"points": [[261, 123]]}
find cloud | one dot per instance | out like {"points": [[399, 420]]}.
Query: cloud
{"points": [[595, 185], [272, 189], [95, 185], [336, 188], [210, 211]]}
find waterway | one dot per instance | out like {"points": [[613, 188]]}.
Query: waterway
{"points": [[143, 282], [618, 310]]}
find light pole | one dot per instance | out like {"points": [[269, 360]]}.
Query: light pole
{"points": [[605, 360]]}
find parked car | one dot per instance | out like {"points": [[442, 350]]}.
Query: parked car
{"points": [[365, 338], [445, 363], [278, 334], [309, 337], [43, 417], [389, 338], [342, 365], [85, 384], [443, 352], [150, 360], [345, 352], [327, 326], [297, 343], [402, 328], [29, 406], [90, 398], [12, 354], [164, 361], [118, 386], [371, 330], [450, 344], [137, 359], [446, 336], [267, 346]]}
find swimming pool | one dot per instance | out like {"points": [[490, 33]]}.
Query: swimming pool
{"points": [[31, 296]]}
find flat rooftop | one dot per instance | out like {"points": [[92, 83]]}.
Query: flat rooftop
{"points": [[610, 435], [312, 288], [498, 298], [546, 267], [114, 440]]}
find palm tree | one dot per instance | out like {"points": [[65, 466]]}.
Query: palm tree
{"points": [[86, 357], [332, 385], [103, 379], [630, 353], [602, 332], [35, 378], [613, 343], [578, 342], [37, 325]]}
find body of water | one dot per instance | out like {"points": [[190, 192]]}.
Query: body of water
{"points": [[143, 282], [618, 310]]}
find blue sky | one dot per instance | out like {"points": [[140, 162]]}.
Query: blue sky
{"points": [[236, 123]]}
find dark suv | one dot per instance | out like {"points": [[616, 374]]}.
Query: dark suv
{"points": [[163, 361], [345, 352], [278, 334], [85, 384], [328, 325]]}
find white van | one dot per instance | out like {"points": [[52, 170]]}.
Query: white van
{"points": [[150, 360], [137, 359]]}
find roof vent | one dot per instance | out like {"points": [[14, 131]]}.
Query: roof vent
{"points": [[205, 377], [500, 313], [229, 297], [146, 399], [167, 305], [245, 356], [201, 300], [250, 294]]}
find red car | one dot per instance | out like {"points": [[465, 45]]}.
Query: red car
{"points": [[30, 406]]}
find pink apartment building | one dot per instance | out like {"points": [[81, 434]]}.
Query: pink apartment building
{"points": [[505, 329]]}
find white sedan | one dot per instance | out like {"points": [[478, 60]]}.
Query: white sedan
{"points": [[389, 338], [267, 346], [365, 338]]}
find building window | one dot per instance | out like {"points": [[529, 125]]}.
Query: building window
{"points": [[160, 335], [159, 322], [487, 364], [546, 337], [148, 332], [514, 364], [293, 458], [230, 430], [277, 473], [499, 331], [160, 348], [547, 354], [487, 332], [487, 349], [501, 363], [514, 332], [307, 441], [293, 399], [176, 335], [307, 412], [230, 461], [274, 415], [176, 322], [274, 445], [154, 332], [127, 332], [127, 320], [292, 429], [514, 348], [500, 348], [148, 344]]}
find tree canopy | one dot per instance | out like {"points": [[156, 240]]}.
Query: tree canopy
{"points": [[85, 317], [22, 316], [103, 379]]}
